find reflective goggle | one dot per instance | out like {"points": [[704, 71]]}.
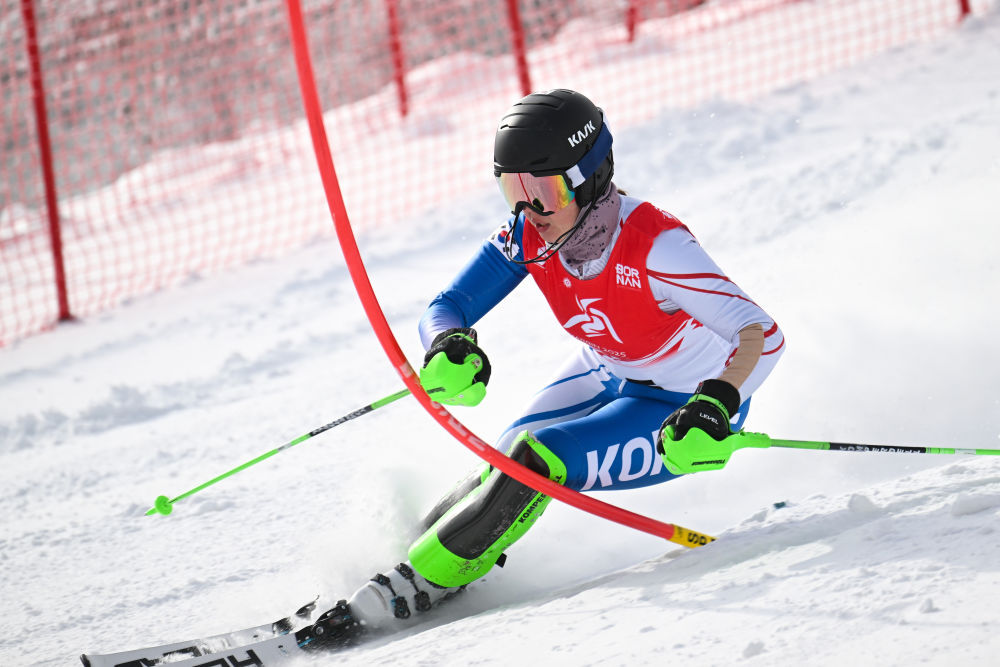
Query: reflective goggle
{"points": [[542, 194]]}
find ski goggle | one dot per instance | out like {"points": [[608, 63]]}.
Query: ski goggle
{"points": [[542, 194]]}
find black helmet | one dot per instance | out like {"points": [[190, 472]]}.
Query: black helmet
{"points": [[557, 132]]}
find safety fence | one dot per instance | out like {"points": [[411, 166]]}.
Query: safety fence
{"points": [[146, 141]]}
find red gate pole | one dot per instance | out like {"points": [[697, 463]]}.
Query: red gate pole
{"points": [[396, 48], [517, 33], [359, 275], [632, 19], [964, 8], [45, 153]]}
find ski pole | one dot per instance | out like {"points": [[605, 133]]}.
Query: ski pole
{"points": [[759, 440], [164, 505], [697, 451]]}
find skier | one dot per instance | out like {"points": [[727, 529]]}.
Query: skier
{"points": [[669, 344]]}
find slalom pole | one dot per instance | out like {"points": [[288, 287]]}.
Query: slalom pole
{"points": [[164, 505], [856, 447]]}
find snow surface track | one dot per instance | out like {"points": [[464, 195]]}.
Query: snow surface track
{"points": [[861, 578], [860, 210]]}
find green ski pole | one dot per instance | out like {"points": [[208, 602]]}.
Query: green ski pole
{"points": [[164, 505], [856, 447], [697, 451]]}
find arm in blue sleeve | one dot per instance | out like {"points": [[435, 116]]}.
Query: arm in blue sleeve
{"points": [[478, 287]]}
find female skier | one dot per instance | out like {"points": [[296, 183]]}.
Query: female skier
{"points": [[669, 344]]}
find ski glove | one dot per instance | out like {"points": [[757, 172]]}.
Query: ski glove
{"points": [[456, 369], [691, 439], [709, 409]]}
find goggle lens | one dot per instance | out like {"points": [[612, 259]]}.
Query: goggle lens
{"points": [[542, 194]]}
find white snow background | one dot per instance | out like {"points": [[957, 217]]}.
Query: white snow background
{"points": [[861, 210]]}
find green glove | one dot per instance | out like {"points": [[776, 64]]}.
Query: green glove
{"points": [[697, 435], [456, 369], [698, 451]]}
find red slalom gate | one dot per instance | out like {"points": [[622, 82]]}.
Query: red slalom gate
{"points": [[359, 275]]}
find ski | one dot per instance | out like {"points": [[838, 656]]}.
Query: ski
{"points": [[305, 631], [334, 629], [264, 653], [196, 648]]}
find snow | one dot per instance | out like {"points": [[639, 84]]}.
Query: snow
{"points": [[859, 209]]}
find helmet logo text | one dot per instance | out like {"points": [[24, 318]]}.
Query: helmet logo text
{"points": [[575, 139]]}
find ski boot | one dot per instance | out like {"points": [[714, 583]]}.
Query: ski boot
{"points": [[396, 596]]}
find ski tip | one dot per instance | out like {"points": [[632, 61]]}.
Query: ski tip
{"points": [[85, 660]]}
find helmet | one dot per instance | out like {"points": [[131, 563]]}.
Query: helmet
{"points": [[557, 132]]}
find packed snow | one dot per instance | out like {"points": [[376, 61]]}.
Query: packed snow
{"points": [[859, 209]]}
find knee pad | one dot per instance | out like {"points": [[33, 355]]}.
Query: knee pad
{"points": [[467, 540]]}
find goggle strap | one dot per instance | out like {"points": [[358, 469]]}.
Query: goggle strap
{"points": [[589, 163]]}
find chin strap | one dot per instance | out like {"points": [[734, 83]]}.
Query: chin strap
{"points": [[553, 247]]}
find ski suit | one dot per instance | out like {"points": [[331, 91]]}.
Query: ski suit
{"points": [[656, 316]]}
